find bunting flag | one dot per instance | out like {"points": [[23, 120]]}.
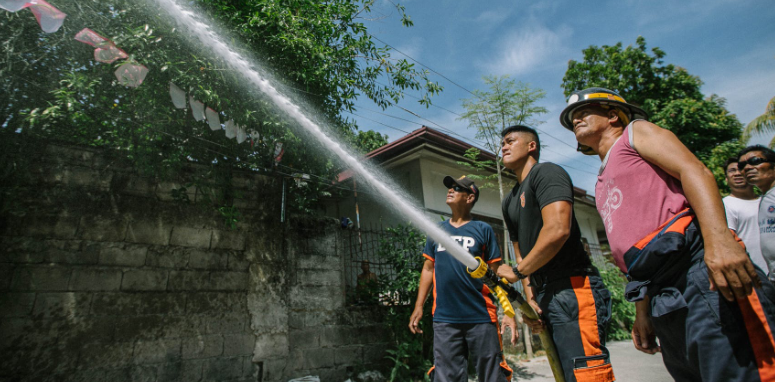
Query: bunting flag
{"points": [[131, 74], [212, 119], [14, 5], [49, 18], [197, 108], [241, 134], [106, 51], [231, 129], [178, 96]]}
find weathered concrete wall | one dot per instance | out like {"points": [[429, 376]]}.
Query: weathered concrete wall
{"points": [[107, 278]]}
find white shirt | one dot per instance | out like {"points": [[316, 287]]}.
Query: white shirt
{"points": [[743, 218], [767, 225]]}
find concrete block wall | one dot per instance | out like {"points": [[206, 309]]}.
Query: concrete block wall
{"points": [[107, 278], [327, 338]]}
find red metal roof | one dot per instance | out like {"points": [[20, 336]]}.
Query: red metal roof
{"points": [[422, 135]]}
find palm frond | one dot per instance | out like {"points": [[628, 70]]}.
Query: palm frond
{"points": [[764, 123]]}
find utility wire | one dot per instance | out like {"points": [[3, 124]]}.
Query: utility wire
{"points": [[423, 65]]}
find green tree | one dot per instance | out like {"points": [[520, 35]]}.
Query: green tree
{"points": [[320, 53], [670, 95], [368, 141], [717, 159], [411, 355], [764, 123], [506, 103]]}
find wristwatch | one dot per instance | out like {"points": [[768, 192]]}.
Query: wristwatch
{"points": [[519, 275]]}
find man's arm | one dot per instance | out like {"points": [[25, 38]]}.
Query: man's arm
{"points": [[508, 273], [555, 232], [729, 267], [507, 322], [426, 279], [643, 336]]}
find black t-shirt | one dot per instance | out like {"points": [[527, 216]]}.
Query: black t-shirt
{"points": [[545, 184]]}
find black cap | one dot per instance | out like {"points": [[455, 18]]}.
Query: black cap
{"points": [[463, 182]]}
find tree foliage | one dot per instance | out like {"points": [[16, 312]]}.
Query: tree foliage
{"points": [[506, 103], [622, 311], [367, 141], [670, 95], [762, 124], [411, 355], [320, 52], [718, 158]]}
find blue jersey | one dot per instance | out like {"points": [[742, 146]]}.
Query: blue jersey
{"points": [[458, 297]]}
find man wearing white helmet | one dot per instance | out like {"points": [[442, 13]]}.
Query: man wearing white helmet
{"points": [[696, 291]]}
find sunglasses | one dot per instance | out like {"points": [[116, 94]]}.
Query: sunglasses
{"points": [[461, 189], [755, 161]]}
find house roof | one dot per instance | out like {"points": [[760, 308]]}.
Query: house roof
{"points": [[425, 135], [445, 145]]}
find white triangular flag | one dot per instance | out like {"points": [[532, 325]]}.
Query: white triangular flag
{"points": [[241, 134], [197, 108], [231, 129], [212, 119], [178, 96]]}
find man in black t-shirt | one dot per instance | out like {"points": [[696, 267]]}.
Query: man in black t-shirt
{"points": [[564, 289]]}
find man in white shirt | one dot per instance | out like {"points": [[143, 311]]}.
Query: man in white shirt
{"points": [[742, 210], [758, 165]]}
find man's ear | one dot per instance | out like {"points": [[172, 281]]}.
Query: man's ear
{"points": [[613, 116], [471, 198], [531, 146]]}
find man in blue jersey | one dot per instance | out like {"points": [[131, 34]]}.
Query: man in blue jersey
{"points": [[465, 315]]}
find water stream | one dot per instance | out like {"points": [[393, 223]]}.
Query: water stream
{"points": [[198, 25]]}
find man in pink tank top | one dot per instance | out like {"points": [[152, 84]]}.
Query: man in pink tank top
{"points": [[697, 291]]}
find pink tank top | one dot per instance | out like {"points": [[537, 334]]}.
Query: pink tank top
{"points": [[633, 196]]}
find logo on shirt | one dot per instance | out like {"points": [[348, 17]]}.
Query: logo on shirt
{"points": [[613, 200], [771, 209], [465, 241], [522, 199]]}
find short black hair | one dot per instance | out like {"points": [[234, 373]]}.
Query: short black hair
{"points": [[769, 155], [729, 161], [524, 129]]}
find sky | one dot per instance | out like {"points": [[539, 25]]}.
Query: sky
{"points": [[729, 44]]}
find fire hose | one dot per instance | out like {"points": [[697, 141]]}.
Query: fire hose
{"points": [[506, 295]]}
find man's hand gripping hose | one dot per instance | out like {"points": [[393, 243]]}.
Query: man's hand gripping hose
{"points": [[506, 295]]}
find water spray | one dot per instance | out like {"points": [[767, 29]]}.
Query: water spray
{"points": [[478, 269]]}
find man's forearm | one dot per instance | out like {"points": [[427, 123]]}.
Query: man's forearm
{"points": [[548, 244], [426, 279], [702, 194]]}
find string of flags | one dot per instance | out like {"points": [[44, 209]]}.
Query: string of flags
{"points": [[231, 129], [129, 74], [132, 74], [49, 18]]}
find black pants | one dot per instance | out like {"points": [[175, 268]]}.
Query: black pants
{"points": [[452, 344], [577, 311], [706, 338]]}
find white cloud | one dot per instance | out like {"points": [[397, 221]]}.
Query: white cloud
{"points": [[492, 18], [528, 48], [746, 91], [411, 47]]}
